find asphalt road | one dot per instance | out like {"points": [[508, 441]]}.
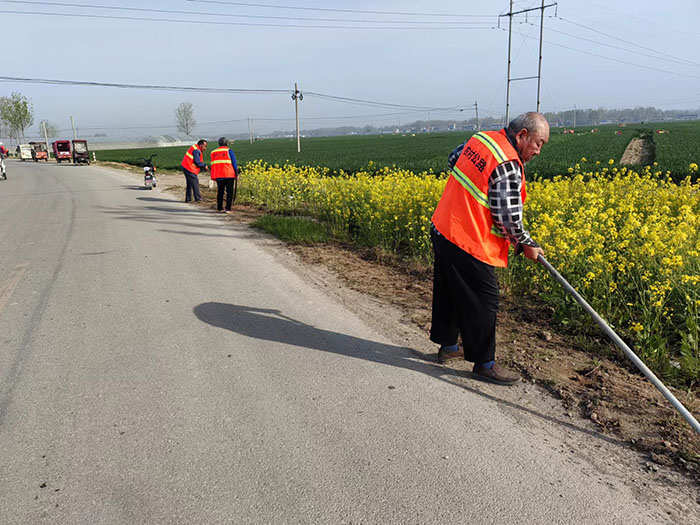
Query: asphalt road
{"points": [[159, 365]]}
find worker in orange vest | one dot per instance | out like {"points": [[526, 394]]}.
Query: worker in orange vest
{"points": [[224, 170], [480, 214], [192, 163]]}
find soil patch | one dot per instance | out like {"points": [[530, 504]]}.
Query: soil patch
{"points": [[639, 152]]}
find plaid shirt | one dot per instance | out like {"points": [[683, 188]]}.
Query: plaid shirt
{"points": [[505, 201]]}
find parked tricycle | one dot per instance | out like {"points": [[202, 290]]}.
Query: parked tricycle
{"points": [[40, 151], [25, 152], [81, 155], [61, 150]]}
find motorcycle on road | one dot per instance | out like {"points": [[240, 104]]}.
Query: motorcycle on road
{"points": [[149, 172]]}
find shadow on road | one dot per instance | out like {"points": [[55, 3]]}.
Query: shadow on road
{"points": [[155, 199], [177, 215], [273, 325]]}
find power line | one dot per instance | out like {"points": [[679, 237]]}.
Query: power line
{"points": [[363, 102], [324, 96], [227, 15], [684, 63], [370, 103], [139, 86], [269, 6], [614, 59], [250, 24], [664, 56], [627, 15]]}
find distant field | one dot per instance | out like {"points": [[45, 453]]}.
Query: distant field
{"points": [[351, 154], [423, 152], [679, 147]]}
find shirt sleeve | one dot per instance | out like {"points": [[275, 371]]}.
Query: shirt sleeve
{"points": [[233, 160], [507, 205], [198, 159], [452, 158]]}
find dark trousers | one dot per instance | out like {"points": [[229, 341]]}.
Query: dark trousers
{"points": [[224, 184], [192, 189], [465, 301]]}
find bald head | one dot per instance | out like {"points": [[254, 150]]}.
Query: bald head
{"points": [[529, 131]]}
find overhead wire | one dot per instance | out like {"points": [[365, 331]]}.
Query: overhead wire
{"points": [[139, 86], [226, 15], [337, 10], [673, 58], [665, 57], [364, 102], [371, 103], [613, 59], [247, 24], [655, 23]]}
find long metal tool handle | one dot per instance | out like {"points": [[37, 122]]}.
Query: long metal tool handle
{"points": [[619, 342]]}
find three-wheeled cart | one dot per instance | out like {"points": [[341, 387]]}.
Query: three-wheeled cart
{"points": [[40, 151], [81, 155], [61, 150], [25, 151]]}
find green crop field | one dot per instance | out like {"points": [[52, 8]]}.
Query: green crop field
{"points": [[565, 150], [678, 148], [351, 153], [675, 150]]}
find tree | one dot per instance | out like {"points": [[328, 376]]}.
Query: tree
{"points": [[184, 116], [18, 113], [51, 128]]}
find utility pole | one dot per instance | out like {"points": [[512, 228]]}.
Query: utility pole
{"points": [[574, 116], [428, 121], [250, 131], [510, 15], [296, 97], [539, 67], [46, 139], [510, 40], [476, 107], [72, 124]]}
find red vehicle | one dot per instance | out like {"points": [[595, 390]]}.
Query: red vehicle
{"points": [[62, 150], [39, 151]]}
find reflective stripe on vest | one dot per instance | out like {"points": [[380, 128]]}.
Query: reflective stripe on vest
{"points": [[221, 165], [188, 160], [492, 146], [463, 215]]}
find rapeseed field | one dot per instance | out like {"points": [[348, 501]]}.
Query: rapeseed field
{"points": [[626, 239]]}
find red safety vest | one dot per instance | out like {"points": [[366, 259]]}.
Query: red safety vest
{"points": [[188, 160], [221, 166], [463, 215]]}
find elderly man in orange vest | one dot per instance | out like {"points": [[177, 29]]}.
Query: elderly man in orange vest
{"points": [[192, 163], [224, 170], [480, 214]]}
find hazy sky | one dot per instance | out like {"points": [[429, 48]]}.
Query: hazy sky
{"points": [[610, 53]]}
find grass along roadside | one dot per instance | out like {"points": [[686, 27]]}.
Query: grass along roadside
{"points": [[293, 229]]}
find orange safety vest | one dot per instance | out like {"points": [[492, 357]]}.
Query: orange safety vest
{"points": [[221, 166], [188, 160], [463, 215]]}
